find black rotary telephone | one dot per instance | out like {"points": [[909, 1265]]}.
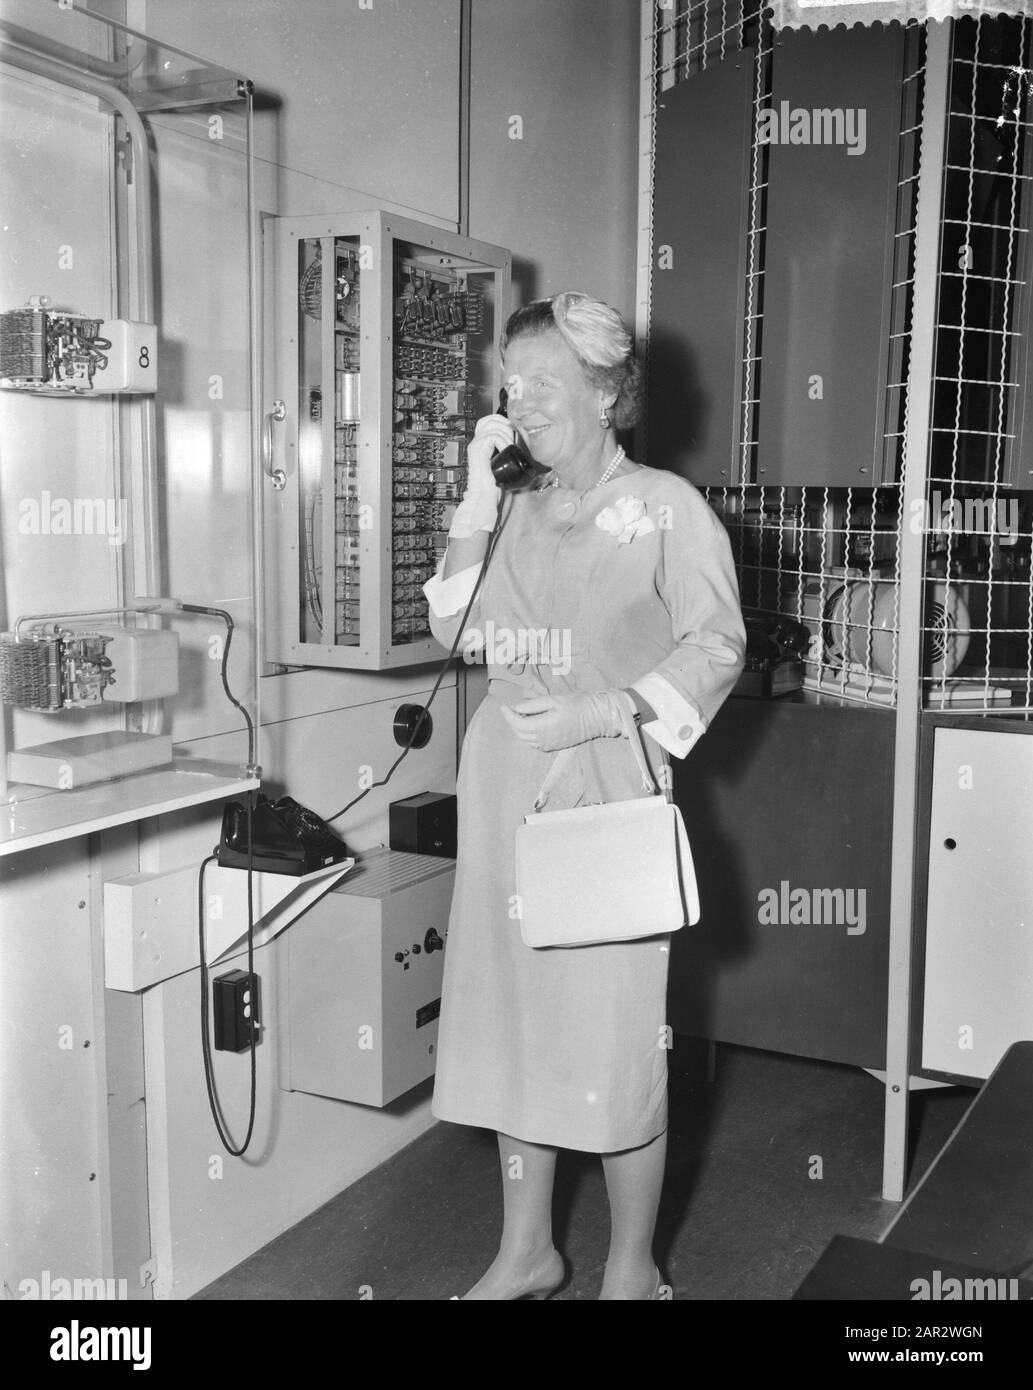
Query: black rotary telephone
{"points": [[772, 639], [514, 469], [287, 838]]}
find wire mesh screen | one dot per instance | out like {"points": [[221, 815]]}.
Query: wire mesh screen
{"points": [[829, 557], [690, 35], [978, 622]]}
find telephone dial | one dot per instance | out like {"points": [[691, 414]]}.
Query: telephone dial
{"points": [[775, 647], [286, 838]]}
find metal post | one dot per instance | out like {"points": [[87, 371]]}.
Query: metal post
{"points": [[909, 640], [646, 145]]}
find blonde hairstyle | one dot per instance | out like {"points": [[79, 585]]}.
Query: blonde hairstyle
{"points": [[598, 338]]}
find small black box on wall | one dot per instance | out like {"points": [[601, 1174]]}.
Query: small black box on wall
{"points": [[235, 1011], [424, 824]]}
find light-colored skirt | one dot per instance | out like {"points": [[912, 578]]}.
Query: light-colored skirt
{"points": [[564, 1047]]}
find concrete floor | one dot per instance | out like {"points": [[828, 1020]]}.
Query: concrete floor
{"points": [[741, 1217]]}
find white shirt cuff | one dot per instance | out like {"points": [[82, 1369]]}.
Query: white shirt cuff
{"points": [[478, 511], [447, 597], [678, 723]]}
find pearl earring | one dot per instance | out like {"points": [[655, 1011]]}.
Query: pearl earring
{"points": [[604, 419]]}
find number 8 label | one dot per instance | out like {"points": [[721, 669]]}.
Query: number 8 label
{"points": [[142, 357]]}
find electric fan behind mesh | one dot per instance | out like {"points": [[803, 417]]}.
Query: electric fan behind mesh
{"points": [[859, 627]]}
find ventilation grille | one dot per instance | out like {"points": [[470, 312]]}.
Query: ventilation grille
{"points": [[382, 872]]}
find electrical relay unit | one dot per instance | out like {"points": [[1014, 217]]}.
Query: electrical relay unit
{"points": [[386, 357], [56, 352]]}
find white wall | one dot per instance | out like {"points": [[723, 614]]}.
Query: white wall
{"points": [[355, 98], [562, 197], [57, 242]]}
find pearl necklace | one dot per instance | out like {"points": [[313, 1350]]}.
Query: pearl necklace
{"points": [[608, 473]]}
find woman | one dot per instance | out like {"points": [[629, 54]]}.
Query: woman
{"points": [[610, 581]]}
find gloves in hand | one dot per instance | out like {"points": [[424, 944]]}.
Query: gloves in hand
{"points": [[492, 432], [551, 722], [478, 511]]}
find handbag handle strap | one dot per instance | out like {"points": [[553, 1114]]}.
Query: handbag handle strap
{"points": [[631, 731]]}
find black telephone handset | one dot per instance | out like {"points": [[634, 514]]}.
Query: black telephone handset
{"points": [[772, 639], [286, 838], [513, 468]]}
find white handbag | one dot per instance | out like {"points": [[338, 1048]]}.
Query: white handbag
{"points": [[603, 873]]}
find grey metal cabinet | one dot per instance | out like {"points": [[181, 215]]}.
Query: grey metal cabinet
{"points": [[977, 971], [787, 804], [699, 272], [828, 271], [384, 356]]}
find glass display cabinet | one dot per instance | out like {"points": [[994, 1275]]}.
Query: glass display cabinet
{"points": [[385, 356], [129, 539]]}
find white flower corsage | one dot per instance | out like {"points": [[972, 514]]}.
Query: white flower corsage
{"points": [[626, 519]]}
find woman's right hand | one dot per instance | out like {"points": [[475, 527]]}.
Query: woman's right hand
{"points": [[492, 432]]}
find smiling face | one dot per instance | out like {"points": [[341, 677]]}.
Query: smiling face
{"points": [[552, 405]]}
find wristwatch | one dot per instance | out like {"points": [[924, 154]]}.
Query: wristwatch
{"points": [[636, 712]]}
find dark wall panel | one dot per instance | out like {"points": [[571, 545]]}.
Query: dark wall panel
{"points": [[828, 260], [700, 213], [787, 791]]}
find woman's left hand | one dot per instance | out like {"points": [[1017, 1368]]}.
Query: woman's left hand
{"points": [[551, 722]]}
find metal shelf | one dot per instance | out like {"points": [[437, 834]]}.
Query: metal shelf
{"points": [[37, 816], [155, 76], [144, 916]]}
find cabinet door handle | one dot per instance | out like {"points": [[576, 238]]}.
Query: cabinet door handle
{"points": [[278, 412]]}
